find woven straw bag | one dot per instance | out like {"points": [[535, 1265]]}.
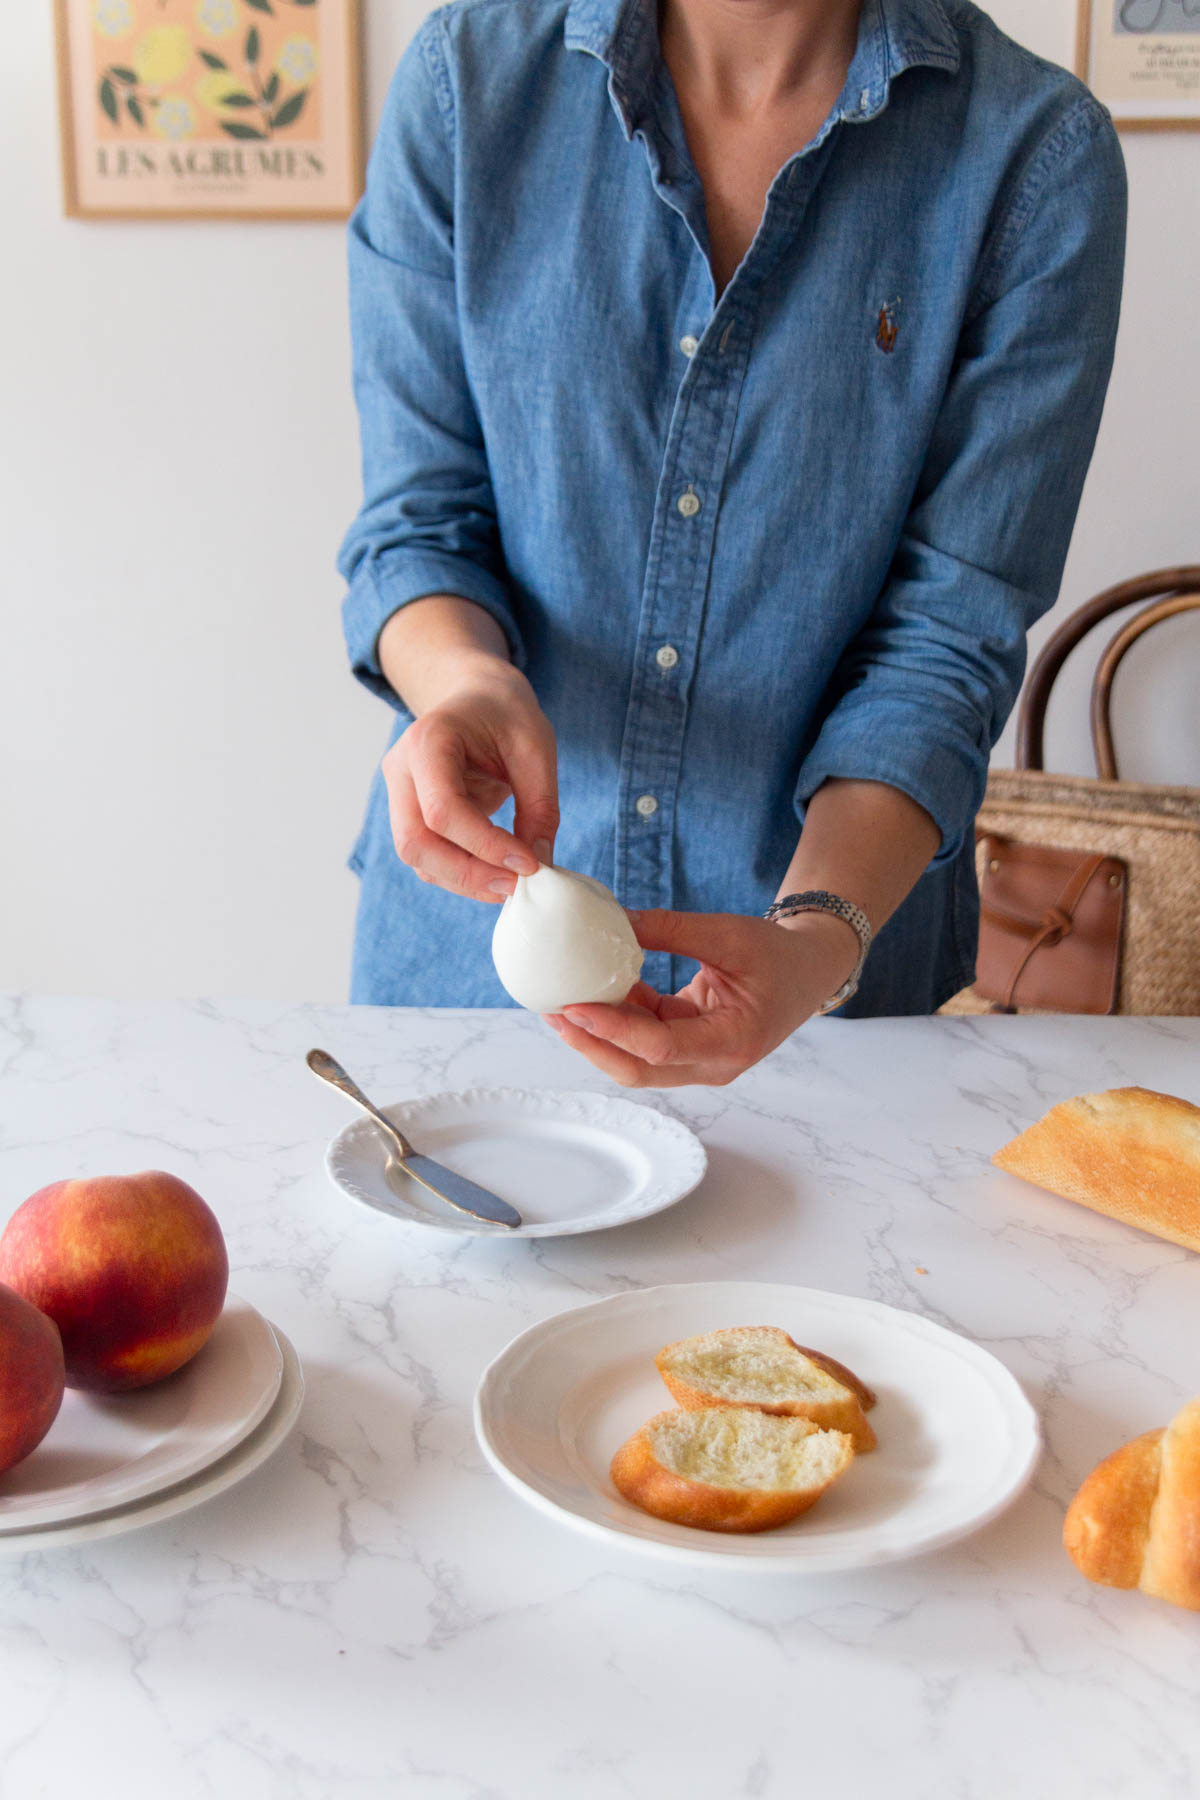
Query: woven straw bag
{"points": [[1144, 839]]}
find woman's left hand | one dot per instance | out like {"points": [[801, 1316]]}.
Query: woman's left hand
{"points": [[758, 982]]}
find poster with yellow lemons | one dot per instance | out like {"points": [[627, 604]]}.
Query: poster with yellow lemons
{"points": [[210, 108]]}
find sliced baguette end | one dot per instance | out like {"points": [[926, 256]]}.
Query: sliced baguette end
{"points": [[710, 1442], [834, 1402]]}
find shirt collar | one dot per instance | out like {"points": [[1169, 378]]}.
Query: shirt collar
{"points": [[893, 35]]}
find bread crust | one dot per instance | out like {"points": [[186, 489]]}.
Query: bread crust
{"points": [[842, 1412], [638, 1475], [1130, 1153], [866, 1396], [1108, 1521], [1171, 1570]]}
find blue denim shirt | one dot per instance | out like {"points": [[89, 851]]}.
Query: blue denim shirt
{"points": [[739, 545]]}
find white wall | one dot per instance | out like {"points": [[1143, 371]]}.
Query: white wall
{"points": [[182, 754]]}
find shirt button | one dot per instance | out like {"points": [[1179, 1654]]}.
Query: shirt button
{"points": [[666, 656], [689, 345], [647, 805], [688, 504]]}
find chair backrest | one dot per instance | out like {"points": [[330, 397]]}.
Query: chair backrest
{"points": [[1172, 591]]}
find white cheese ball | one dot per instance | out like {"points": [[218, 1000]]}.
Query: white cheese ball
{"points": [[562, 939]]}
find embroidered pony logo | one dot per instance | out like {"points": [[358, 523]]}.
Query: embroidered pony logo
{"points": [[887, 330]]}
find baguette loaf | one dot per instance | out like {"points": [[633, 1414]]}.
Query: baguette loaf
{"points": [[728, 1468], [1135, 1522], [760, 1366], [1130, 1153]]}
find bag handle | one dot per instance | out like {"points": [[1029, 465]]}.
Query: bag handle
{"points": [[1031, 719], [1106, 668]]}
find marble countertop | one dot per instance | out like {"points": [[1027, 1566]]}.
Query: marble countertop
{"points": [[372, 1613]]}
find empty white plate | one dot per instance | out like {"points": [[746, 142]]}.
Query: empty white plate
{"points": [[568, 1162], [239, 1462], [105, 1450], [958, 1440]]}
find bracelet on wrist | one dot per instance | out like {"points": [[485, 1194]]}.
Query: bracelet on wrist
{"points": [[817, 900]]}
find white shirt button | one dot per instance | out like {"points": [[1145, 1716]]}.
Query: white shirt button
{"points": [[666, 656], [688, 504], [689, 345], [647, 805]]}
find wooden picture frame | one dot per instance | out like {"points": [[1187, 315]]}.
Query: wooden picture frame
{"points": [[210, 109], [1141, 59]]}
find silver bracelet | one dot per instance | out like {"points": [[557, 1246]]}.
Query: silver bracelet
{"points": [[817, 900]]}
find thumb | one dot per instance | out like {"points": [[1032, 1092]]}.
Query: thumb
{"points": [[706, 937], [534, 782]]}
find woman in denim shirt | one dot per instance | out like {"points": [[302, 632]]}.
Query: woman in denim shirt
{"points": [[728, 376]]}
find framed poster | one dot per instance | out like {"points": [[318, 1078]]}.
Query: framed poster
{"points": [[1141, 59], [209, 109]]}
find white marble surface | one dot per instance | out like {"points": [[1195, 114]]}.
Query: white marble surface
{"points": [[374, 1614]]}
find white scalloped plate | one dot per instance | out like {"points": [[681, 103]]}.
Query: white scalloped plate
{"points": [[958, 1440], [568, 1162]]}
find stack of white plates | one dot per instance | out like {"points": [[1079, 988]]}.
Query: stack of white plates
{"points": [[111, 1463]]}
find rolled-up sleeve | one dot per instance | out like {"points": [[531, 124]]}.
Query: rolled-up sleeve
{"points": [[923, 691], [427, 523]]}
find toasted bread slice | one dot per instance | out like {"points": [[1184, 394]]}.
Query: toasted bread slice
{"points": [[729, 1468], [1128, 1152], [760, 1366]]}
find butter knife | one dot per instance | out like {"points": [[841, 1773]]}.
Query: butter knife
{"points": [[466, 1196]]}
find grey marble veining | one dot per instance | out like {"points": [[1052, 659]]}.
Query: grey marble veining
{"points": [[373, 1614]]}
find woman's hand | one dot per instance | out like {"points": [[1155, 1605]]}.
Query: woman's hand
{"points": [[758, 982], [485, 737]]}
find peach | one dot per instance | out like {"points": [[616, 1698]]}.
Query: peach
{"points": [[131, 1268], [31, 1376]]}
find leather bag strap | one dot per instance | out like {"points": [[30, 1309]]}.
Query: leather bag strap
{"points": [[1106, 668], [1031, 719]]}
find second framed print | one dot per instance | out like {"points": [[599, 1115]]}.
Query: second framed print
{"points": [[225, 109], [1141, 59]]}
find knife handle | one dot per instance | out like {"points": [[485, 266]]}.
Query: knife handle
{"points": [[329, 1069]]}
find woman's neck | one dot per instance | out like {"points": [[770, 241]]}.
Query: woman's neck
{"points": [[748, 57]]}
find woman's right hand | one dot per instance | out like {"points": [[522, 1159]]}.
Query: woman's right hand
{"points": [[483, 739]]}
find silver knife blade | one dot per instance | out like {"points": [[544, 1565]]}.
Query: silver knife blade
{"points": [[466, 1195]]}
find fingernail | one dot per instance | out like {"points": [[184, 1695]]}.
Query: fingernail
{"points": [[543, 850], [555, 1024], [576, 1019], [521, 865], [501, 887]]}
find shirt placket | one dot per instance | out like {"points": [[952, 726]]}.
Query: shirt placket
{"points": [[679, 565]]}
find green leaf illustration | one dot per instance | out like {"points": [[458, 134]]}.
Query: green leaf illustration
{"points": [[261, 6], [290, 110], [304, 2], [135, 109], [214, 62], [238, 100], [271, 89], [252, 44], [242, 131], [128, 76], [108, 99]]}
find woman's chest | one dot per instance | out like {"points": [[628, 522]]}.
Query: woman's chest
{"points": [[737, 161]]}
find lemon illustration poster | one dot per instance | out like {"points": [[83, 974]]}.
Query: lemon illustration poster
{"points": [[210, 108]]}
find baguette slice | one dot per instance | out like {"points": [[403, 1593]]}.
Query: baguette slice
{"points": [[729, 1468], [1130, 1153], [760, 1366]]}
